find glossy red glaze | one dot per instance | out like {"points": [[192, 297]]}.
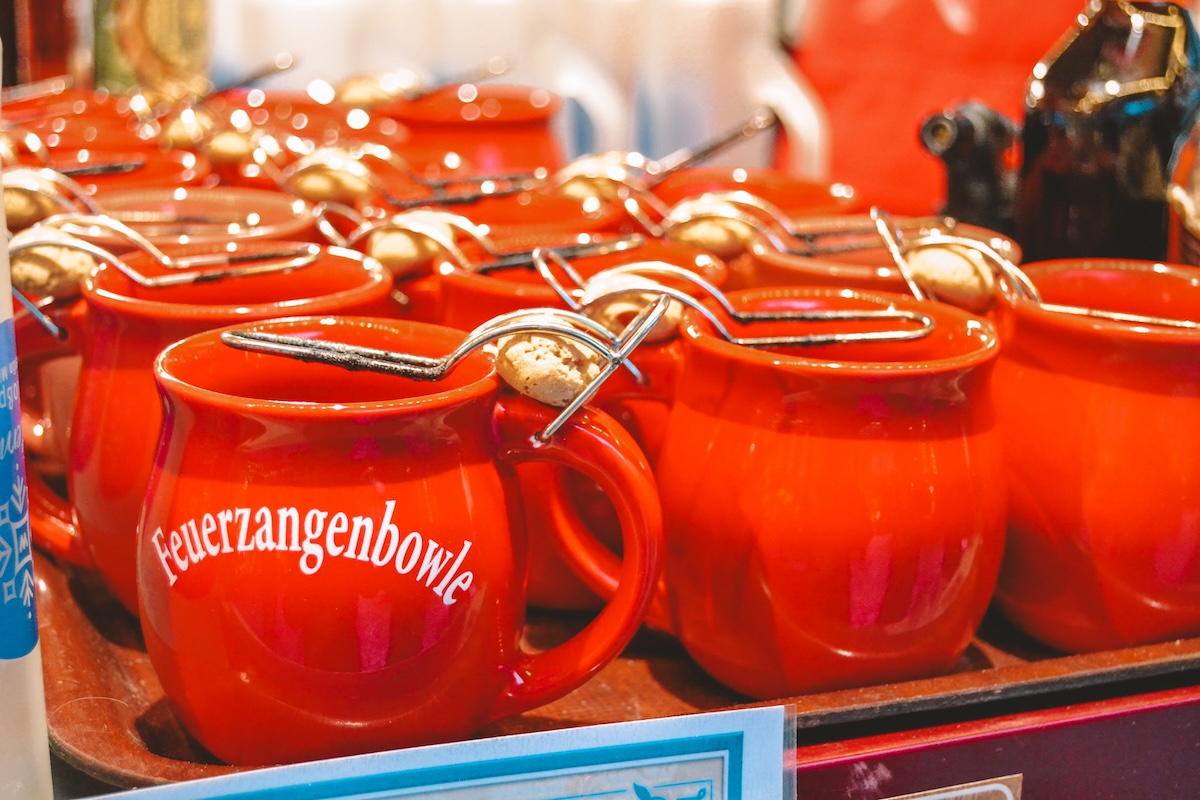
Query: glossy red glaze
{"points": [[78, 119], [345, 641], [468, 299], [834, 515], [1101, 435], [869, 268], [48, 370], [493, 126], [119, 328], [67, 101], [794, 196]]}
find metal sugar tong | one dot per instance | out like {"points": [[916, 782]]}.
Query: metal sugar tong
{"points": [[181, 270], [1015, 279], [613, 349], [581, 298]]}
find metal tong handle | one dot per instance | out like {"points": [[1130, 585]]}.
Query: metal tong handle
{"points": [[347, 162], [273, 261], [426, 223], [33, 143], [636, 200], [397, 162], [38, 177], [810, 231], [57, 331], [363, 227], [45, 87], [762, 119], [663, 269], [431, 224], [297, 257], [1019, 284], [891, 240], [492, 68], [614, 349], [707, 207], [527, 258]]}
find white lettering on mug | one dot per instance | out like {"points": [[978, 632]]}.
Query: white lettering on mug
{"points": [[160, 548], [315, 535]]}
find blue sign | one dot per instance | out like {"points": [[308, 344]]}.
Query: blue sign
{"points": [[724, 755], [18, 610]]}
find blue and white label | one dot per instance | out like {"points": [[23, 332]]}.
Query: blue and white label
{"points": [[725, 755], [18, 610]]}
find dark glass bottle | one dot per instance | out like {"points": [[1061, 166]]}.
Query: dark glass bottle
{"points": [[1104, 113]]}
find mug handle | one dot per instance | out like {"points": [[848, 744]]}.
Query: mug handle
{"points": [[595, 445], [597, 566], [51, 518]]}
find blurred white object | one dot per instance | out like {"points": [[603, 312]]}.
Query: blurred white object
{"points": [[704, 66], [645, 75], [331, 40], [535, 37]]}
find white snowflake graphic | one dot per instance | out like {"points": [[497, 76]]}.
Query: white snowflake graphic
{"points": [[16, 552]]}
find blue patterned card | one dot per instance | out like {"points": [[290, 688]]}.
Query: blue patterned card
{"points": [[18, 612], [726, 755]]}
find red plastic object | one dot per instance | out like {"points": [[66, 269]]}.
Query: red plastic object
{"points": [[880, 68]]}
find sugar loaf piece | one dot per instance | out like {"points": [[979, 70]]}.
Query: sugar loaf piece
{"points": [[954, 274], [545, 366]]}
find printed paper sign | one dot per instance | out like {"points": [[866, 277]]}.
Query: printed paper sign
{"points": [[730, 755], [18, 612]]}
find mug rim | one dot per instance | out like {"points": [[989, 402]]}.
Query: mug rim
{"points": [[443, 107], [375, 286], [833, 204], [482, 283], [301, 220], [697, 331], [1028, 310], [803, 265], [209, 340]]}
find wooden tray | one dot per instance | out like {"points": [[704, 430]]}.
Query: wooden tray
{"points": [[108, 717]]}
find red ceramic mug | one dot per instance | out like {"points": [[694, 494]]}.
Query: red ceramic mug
{"points": [[328, 560], [496, 127], [191, 216], [796, 197], [118, 328], [514, 222], [834, 515], [1101, 422]]}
